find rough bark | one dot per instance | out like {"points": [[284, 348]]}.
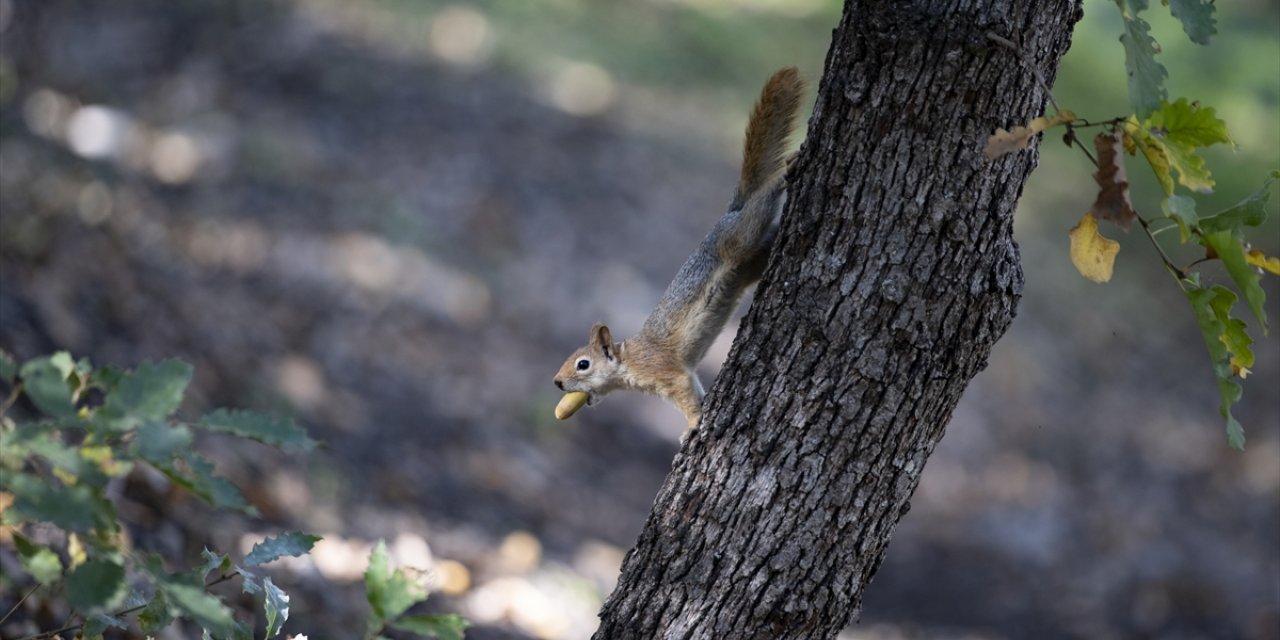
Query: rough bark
{"points": [[895, 273]]}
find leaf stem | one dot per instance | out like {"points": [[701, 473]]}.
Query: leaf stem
{"points": [[1177, 271], [1199, 261], [1076, 141]]}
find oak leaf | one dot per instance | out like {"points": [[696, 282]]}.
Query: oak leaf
{"points": [[1093, 255], [1146, 76], [1169, 139], [1003, 142], [1113, 201]]}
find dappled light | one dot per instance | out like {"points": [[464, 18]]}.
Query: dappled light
{"points": [[390, 221], [462, 35], [582, 89]]}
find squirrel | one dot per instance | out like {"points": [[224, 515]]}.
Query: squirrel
{"points": [[661, 358]]}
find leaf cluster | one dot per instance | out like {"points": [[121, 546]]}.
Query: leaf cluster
{"points": [[392, 592], [1169, 136], [88, 427]]}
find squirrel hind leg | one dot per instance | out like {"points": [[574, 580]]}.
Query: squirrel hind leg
{"points": [[686, 393], [746, 244]]}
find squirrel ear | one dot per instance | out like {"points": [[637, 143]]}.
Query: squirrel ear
{"points": [[602, 339]]}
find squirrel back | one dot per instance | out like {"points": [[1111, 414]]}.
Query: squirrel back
{"points": [[661, 358], [733, 256]]}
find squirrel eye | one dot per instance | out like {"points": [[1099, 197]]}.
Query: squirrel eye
{"points": [[583, 364]]}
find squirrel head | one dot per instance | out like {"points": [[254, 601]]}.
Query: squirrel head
{"points": [[595, 369]]}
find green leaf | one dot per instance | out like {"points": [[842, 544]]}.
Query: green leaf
{"points": [[276, 603], [389, 593], [75, 508], [1227, 245], [201, 482], [47, 444], [1188, 124], [215, 490], [445, 626], [1181, 210], [280, 432], [1212, 307], [158, 442], [156, 615], [214, 562], [1250, 212], [249, 582], [44, 381], [41, 562], [95, 626], [134, 599], [1146, 76], [1234, 334], [8, 367], [1196, 17], [1169, 138], [148, 393], [96, 585], [294, 543], [205, 609]]}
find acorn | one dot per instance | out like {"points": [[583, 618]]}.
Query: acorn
{"points": [[570, 404]]}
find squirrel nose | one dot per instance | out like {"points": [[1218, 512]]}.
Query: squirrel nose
{"points": [[559, 384]]}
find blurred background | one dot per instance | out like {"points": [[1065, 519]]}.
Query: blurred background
{"points": [[392, 219]]}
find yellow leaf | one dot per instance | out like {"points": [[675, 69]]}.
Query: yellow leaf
{"points": [[1093, 255], [75, 551], [1154, 152], [1260, 260], [68, 478]]}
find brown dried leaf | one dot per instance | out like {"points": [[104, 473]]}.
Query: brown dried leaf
{"points": [[1113, 201]]}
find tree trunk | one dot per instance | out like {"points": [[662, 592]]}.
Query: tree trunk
{"points": [[895, 273]]}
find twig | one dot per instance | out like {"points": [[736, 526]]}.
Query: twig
{"points": [[72, 627], [222, 579], [13, 397], [1084, 122], [1177, 271], [19, 603], [1008, 44], [1088, 154]]}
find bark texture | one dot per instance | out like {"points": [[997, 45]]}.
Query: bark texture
{"points": [[895, 273]]}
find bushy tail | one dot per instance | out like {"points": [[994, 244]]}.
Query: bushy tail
{"points": [[764, 153]]}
